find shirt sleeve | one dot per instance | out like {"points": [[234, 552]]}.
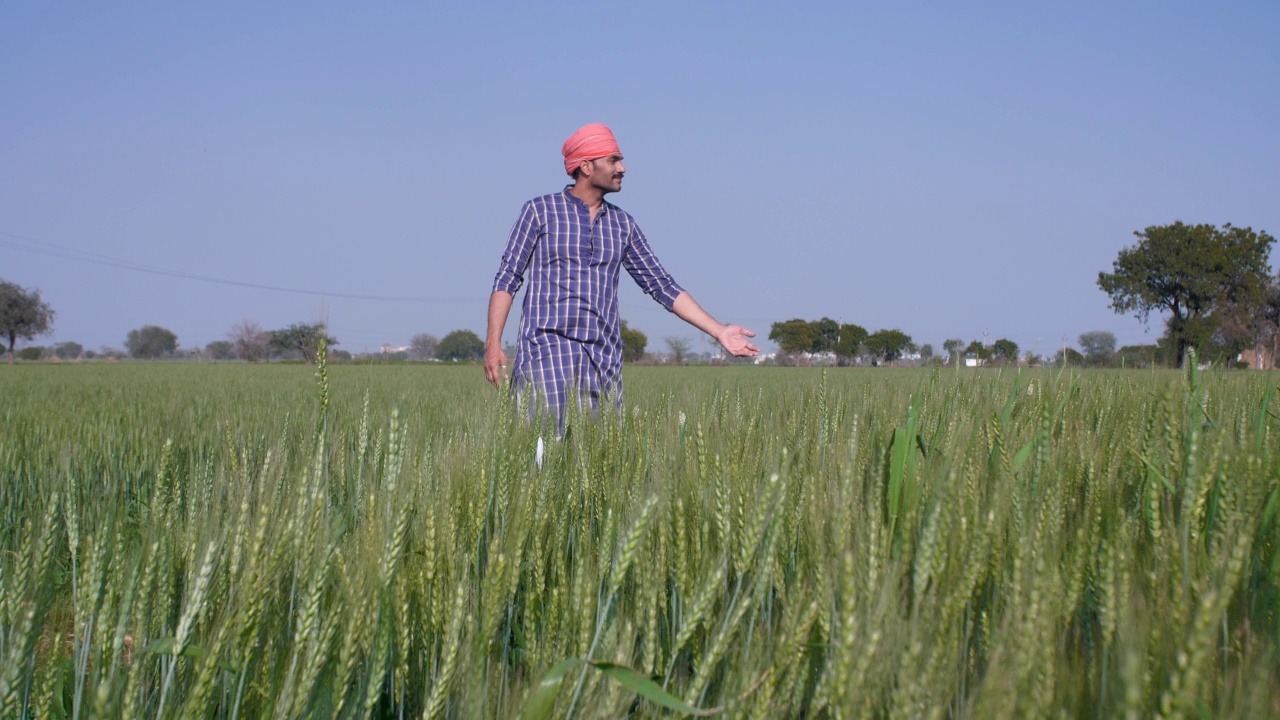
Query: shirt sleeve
{"points": [[648, 273], [515, 258]]}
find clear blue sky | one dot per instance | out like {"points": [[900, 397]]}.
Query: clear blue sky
{"points": [[946, 169]]}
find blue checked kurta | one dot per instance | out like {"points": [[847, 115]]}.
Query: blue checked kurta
{"points": [[570, 333]]}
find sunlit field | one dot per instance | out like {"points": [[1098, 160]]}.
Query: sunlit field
{"points": [[237, 541]]}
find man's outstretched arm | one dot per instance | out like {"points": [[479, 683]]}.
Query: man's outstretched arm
{"points": [[495, 360], [732, 338]]}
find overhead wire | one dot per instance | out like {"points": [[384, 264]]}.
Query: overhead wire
{"points": [[40, 247]]}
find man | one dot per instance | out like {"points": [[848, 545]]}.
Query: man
{"points": [[573, 243]]}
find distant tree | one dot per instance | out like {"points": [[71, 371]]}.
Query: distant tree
{"points": [[1068, 356], [1269, 321], [302, 338], [633, 343], [109, 353], [826, 335], [1140, 356], [978, 350], [32, 352], [888, 345], [150, 342], [850, 342], [1190, 271], [251, 342], [1098, 347], [23, 314], [794, 336], [460, 345], [423, 346], [1005, 350], [678, 347], [926, 352], [953, 347], [220, 350], [68, 350]]}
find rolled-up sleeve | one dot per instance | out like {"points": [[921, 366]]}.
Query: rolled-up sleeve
{"points": [[515, 258], [648, 273]]}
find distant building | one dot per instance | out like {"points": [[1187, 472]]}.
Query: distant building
{"points": [[393, 349], [1257, 358]]}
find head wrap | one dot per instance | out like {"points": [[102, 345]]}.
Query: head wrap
{"points": [[588, 143]]}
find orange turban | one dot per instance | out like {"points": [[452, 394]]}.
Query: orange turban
{"points": [[590, 142]]}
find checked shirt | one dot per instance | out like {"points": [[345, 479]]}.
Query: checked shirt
{"points": [[570, 337]]}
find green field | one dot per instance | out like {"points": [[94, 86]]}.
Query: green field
{"points": [[237, 541]]}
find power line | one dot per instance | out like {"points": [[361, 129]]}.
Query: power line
{"points": [[38, 247]]}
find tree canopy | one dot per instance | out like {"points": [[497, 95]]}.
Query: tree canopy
{"points": [[68, 350], [819, 336], [850, 343], [302, 338], [1098, 347], [22, 314], [1005, 349], [888, 345], [1199, 274], [826, 335], [794, 336], [460, 345], [678, 347], [251, 342], [423, 346], [953, 347], [978, 350], [150, 342], [220, 350], [633, 343]]}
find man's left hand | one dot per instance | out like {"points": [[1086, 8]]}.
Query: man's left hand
{"points": [[733, 338]]}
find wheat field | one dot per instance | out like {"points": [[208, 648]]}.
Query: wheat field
{"points": [[276, 541]]}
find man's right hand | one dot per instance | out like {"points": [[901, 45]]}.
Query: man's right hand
{"points": [[495, 365], [495, 361]]}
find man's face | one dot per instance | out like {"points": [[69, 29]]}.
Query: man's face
{"points": [[606, 173]]}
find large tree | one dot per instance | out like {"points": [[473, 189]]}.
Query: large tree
{"points": [[251, 342], [826, 335], [1006, 350], [978, 350], [69, 350], [423, 346], [849, 345], [633, 343], [460, 345], [1190, 271], [220, 350], [794, 336], [150, 342], [954, 348], [303, 338], [1068, 356], [678, 347], [888, 345], [22, 314], [1139, 356], [1098, 346]]}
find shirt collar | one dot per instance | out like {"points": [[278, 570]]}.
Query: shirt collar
{"points": [[604, 205]]}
